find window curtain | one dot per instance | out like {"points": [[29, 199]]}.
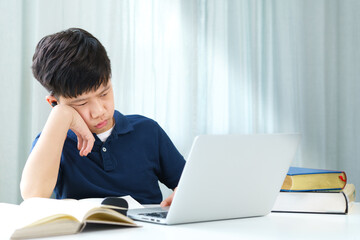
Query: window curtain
{"points": [[199, 67]]}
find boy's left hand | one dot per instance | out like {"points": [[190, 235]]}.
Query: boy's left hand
{"points": [[167, 202]]}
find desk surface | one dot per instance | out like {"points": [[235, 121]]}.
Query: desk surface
{"points": [[272, 226]]}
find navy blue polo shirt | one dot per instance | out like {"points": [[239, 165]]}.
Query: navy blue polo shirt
{"points": [[136, 155]]}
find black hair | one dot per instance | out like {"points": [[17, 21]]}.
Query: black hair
{"points": [[70, 63]]}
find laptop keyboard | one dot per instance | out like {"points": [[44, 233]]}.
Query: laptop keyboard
{"points": [[155, 214]]}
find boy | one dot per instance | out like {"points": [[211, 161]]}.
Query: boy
{"points": [[87, 148]]}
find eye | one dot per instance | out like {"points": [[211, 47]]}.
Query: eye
{"points": [[103, 95], [81, 104]]}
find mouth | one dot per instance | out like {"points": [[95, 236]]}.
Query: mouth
{"points": [[101, 124]]}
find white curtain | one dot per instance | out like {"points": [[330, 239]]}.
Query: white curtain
{"points": [[199, 67]]}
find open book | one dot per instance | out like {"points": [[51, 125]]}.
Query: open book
{"points": [[40, 217]]}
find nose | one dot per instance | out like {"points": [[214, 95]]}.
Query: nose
{"points": [[97, 109]]}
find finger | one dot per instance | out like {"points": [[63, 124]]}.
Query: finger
{"points": [[167, 201], [80, 143], [164, 204], [83, 149], [87, 146]]}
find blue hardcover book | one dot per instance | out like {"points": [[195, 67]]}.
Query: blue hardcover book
{"points": [[310, 179]]}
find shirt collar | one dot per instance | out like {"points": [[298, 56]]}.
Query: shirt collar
{"points": [[122, 126]]}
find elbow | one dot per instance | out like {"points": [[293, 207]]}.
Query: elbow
{"points": [[25, 191], [28, 191]]}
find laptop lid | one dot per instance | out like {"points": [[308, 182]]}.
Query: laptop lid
{"points": [[232, 176]]}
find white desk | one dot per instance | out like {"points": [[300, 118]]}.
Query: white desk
{"points": [[272, 226]]}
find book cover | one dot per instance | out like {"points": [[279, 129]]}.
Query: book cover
{"points": [[316, 202], [309, 179]]}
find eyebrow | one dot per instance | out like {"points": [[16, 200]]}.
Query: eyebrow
{"points": [[84, 99]]}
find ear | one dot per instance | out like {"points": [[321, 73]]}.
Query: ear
{"points": [[51, 100]]}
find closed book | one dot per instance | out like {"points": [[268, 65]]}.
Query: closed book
{"points": [[316, 202], [309, 179]]}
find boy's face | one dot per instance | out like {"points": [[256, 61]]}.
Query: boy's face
{"points": [[95, 107]]}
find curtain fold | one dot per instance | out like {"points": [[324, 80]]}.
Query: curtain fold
{"points": [[200, 67]]}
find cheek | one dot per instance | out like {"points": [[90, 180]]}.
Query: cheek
{"points": [[110, 106], [85, 115], [109, 103]]}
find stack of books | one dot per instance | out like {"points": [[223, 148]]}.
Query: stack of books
{"points": [[307, 190]]}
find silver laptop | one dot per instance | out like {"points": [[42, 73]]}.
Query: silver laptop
{"points": [[226, 177]]}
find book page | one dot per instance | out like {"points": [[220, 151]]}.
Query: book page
{"points": [[34, 209], [9, 217]]}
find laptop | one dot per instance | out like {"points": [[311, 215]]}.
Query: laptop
{"points": [[227, 177]]}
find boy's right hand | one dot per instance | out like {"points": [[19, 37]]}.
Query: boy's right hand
{"points": [[78, 126]]}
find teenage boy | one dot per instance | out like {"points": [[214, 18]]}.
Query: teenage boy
{"points": [[87, 148]]}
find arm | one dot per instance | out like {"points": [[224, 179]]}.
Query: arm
{"points": [[41, 169]]}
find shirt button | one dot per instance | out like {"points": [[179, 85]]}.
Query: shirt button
{"points": [[104, 149]]}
